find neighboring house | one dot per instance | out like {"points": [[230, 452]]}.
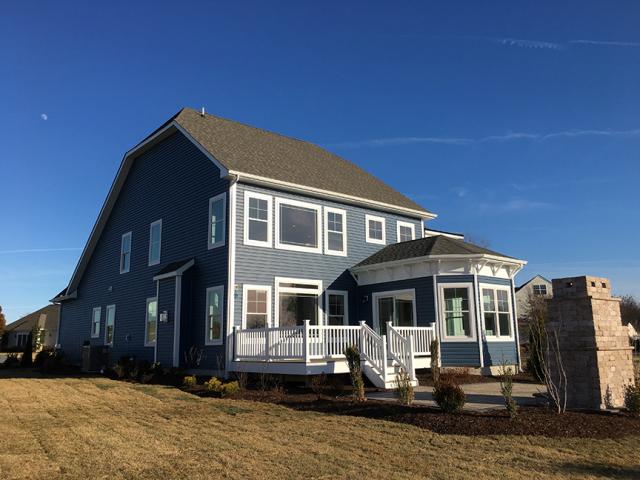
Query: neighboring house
{"points": [[538, 286], [270, 254], [43, 322]]}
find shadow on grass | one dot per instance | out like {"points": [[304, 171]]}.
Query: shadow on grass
{"points": [[30, 372], [599, 470]]}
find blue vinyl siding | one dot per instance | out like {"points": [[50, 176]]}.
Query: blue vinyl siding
{"points": [[459, 354], [259, 265], [172, 181]]}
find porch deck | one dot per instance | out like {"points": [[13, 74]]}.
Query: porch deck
{"points": [[314, 349]]}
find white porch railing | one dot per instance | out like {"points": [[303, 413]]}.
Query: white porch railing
{"points": [[401, 350], [422, 338]]}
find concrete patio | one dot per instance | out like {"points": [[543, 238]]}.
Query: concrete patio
{"points": [[480, 396]]}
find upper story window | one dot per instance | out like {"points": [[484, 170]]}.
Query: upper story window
{"points": [[375, 229], [256, 300], [540, 290], [496, 309], [125, 253], [406, 231], [213, 321], [95, 322], [155, 239], [456, 311], [335, 233], [217, 209], [298, 225], [151, 322], [109, 324], [257, 219]]}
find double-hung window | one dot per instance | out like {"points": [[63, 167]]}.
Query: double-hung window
{"points": [[155, 240], [256, 300], [213, 319], [298, 225], [95, 322], [496, 309], [125, 253], [335, 231], [109, 324], [375, 229], [298, 300], [257, 219], [151, 322], [406, 231], [540, 289], [217, 212], [337, 307], [456, 311]]}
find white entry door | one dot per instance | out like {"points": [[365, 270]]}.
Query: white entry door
{"points": [[397, 307]]}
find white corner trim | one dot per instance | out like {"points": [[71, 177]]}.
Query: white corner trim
{"points": [[280, 201], [345, 295], [153, 224], [372, 218], [262, 288], [248, 194], [472, 313], [231, 274], [400, 224], [339, 211], [220, 243]]}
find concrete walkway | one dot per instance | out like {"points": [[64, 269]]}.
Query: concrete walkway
{"points": [[480, 396]]}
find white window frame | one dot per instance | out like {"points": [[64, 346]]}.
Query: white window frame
{"points": [[345, 296], [106, 324], [540, 285], [269, 199], [339, 211], [245, 292], [221, 242], [472, 312], [124, 235], [96, 333], [296, 203], [216, 341], [498, 338], [410, 225], [392, 293], [146, 321], [373, 218], [317, 291], [155, 262]]}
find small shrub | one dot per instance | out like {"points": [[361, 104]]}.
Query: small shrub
{"points": [[189, 381], [12, 360], [124, 367], [57, 362], [448, 395], [404, 391], [506, 388], [41, 356], [213, 385], [632, 399], [355, 371], [230, 389], [319, 384]]}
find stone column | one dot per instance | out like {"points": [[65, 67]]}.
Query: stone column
{"points": [[594, 344]]}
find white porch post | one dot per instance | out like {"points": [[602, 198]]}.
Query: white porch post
{"points": [[384, 359], [412, 370]]}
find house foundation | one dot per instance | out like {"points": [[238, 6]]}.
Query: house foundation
{"points": [[593, 343]]}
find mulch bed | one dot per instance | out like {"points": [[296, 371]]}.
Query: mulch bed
{"points": [[531, 421]]}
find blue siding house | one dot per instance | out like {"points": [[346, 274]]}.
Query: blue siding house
{"points": [[264, 253]]}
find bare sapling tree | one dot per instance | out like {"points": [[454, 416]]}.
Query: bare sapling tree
{"points": [[545, 344]]}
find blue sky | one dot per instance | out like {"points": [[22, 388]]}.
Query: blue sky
{"points": [[517, 122]]}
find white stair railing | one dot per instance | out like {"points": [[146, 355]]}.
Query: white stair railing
{"points": [[422, 338], [373, 348], [401, 350]]}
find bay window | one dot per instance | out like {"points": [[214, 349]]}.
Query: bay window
{"points": [[496, 309], [456, 311]]}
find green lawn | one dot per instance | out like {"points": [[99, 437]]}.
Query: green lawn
{"points": [[97, 428]]}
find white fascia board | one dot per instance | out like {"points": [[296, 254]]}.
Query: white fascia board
{"points": [[341, 197], [116, 187]]}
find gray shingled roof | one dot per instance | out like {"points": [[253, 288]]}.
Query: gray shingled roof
{"points": [[255, 151], [424, 247], [27, 322]]}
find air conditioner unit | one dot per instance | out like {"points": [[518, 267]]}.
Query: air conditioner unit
{"points": [[94, 358]]}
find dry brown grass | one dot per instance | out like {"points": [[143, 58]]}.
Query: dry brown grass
{"points": [[97, 428]]}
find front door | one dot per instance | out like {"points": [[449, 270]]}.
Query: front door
{"points": [[395, 307]]}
